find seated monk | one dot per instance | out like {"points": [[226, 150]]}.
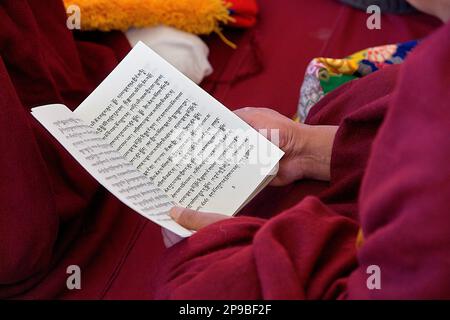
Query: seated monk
{"points": [[385, 138], [381, 141]]}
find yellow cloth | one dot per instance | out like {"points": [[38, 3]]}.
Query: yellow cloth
{"points": [[194, 16]]}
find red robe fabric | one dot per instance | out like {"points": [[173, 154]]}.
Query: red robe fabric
{"points": [[54, 214], [394, 141]]}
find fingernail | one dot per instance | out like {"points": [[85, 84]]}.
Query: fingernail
{"points": [[175, 213]]}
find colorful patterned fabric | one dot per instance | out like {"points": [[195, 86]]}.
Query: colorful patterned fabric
{"points": [[323, 75]]}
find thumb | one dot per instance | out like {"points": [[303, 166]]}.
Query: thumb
{"points": [[247, 116], [194, 220]]}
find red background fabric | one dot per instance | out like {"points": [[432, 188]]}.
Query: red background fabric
{"points": [[54, 214]]}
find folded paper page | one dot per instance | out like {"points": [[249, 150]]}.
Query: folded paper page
{"points": [[107, 166], [188, 143]]}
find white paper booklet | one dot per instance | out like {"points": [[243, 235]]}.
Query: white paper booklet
{"points": [[155, 139]]}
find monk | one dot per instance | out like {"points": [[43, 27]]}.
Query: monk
{"points": [[383, 143], [388, 179]]}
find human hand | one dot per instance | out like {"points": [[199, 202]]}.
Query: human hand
{"points": [[307, 148], [190, 219]]}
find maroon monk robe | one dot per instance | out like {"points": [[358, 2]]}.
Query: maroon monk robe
{"points": [[53, 213], [395, 135]]}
